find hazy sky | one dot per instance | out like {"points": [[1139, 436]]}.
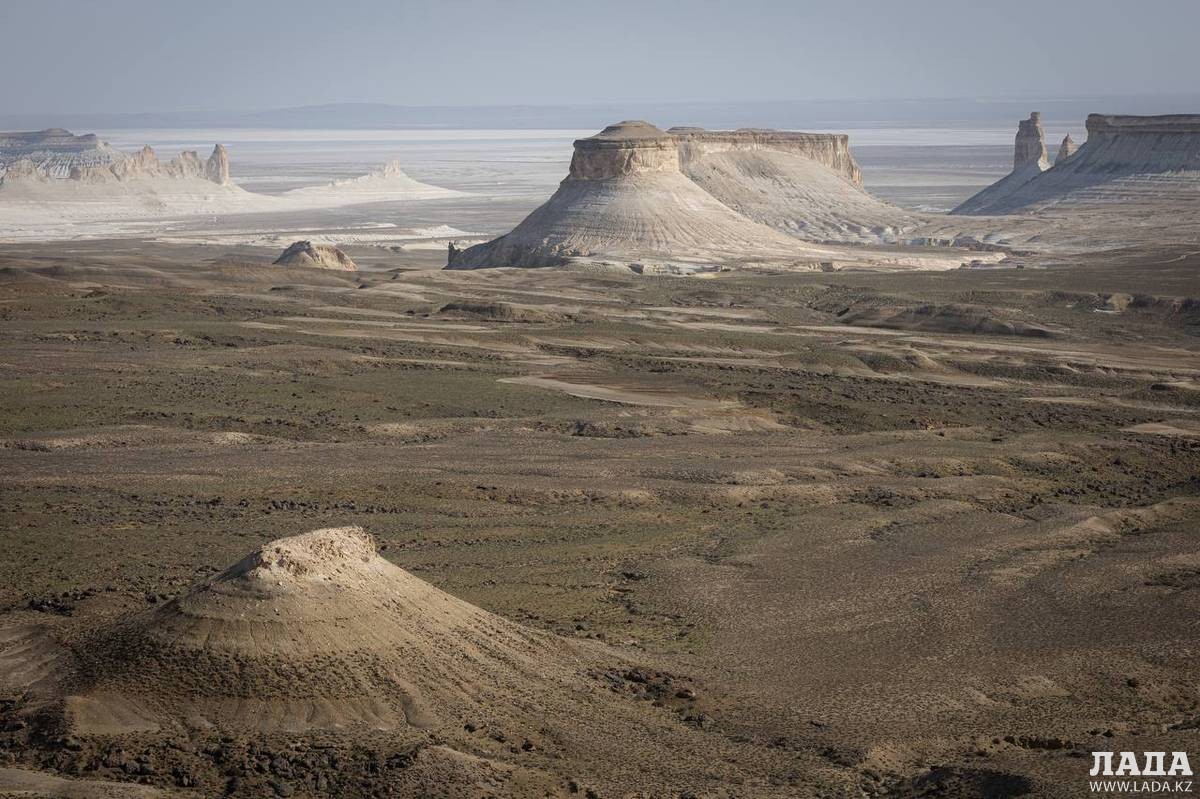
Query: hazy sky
{"points": [[159, 55]]}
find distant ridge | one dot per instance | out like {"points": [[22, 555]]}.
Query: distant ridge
{"points": [[784, 114]]}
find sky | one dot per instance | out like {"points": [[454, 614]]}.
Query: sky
{"points": [[162, 55]]}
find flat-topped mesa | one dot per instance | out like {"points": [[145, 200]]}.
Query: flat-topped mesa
{"points": [[626, 148], [626, 197], [1030, 145], [831, 150], [1067, 149]]}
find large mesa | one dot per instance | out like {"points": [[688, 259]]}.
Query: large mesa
{"points": [[626, 196]]}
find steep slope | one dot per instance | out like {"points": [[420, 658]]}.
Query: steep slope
{"points": [[626, 196], [804, 184], [1139, 162]]}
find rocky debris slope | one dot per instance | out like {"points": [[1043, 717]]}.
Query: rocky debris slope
{"points": [[625, 195], [1138, 162], [318, 256], [804, 184]]}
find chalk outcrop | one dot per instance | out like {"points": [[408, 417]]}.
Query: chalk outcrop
{"points": [[1136, 161], [636, 191], [1029, 160], [1030, 146], [316, 256], [1065, 150]]}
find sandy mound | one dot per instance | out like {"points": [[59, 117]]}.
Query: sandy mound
{"points": [[318, 256], [312, 631], [317, 633], [625, 195]]}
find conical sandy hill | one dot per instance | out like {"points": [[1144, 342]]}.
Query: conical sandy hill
{"points": [[626, 196], [312, 631], [316, 638]]}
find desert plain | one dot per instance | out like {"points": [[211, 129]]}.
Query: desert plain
{"points": [[753, 534]]}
